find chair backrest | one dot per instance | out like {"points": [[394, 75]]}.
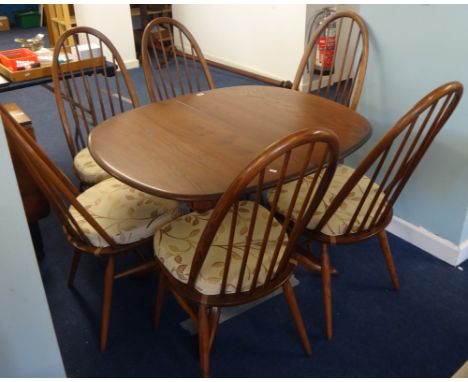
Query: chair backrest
{"points": [[298, 154], [341, 76], [91, 83], [172, 61], [56, 186], [393, 160]]}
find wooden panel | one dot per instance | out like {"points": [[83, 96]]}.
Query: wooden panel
{"points": [[34, 202], [59, 19]]}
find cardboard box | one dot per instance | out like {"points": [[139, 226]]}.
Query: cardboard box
{"points": [[4, 23], [83, 52]]}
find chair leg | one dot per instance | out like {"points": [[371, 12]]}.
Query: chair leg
{"points": [[309, 262], [326, 286], [74, 267], [107, 301], [159, 300], [204, 340], [215, 314], [389, 259], [292, 303]]}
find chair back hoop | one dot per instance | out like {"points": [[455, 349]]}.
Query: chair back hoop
{"points": [[335, 59], [300, 154], [55, 185], [389, 165], [173, 62], [91, 83]]}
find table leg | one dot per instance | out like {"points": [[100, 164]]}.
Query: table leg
{"points": [[202, 205]]}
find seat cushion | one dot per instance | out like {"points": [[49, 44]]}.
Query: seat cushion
{"points": [[126, 214], [87, 169], [338, 223], [175, 244]]}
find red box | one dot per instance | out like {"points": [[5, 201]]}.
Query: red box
{"points": [[18, 58]]}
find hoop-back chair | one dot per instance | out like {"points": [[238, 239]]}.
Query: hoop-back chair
{"points": [[91, 84], [358, 204], [173, 62], [340, 76], [239, 252], [106, 220]]}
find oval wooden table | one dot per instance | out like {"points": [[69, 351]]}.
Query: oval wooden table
{"points": [[191, 147]]}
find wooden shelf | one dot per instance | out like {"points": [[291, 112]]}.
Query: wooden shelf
{"points": [[46, 70]]}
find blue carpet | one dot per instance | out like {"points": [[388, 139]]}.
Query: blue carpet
{"points": [[421, 331]]}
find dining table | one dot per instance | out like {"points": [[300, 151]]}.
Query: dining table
{"points": [[191, 147]]}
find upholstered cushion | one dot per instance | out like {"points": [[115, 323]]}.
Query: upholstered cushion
{"points": [[338, 223], [87, 169], [126, 214], [175, 245]]}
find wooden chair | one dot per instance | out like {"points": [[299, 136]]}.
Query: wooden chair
{"points": [[239, 252], [359, 206], [342, 77], [172, 61], [91, 84], [106, 220]]}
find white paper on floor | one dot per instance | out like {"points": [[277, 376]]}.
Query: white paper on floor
{"points": [[233, 311]]}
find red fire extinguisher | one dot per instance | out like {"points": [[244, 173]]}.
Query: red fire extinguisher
{"points": [[326, 44]]}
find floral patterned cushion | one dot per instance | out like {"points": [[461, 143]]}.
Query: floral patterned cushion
{"points": [[175, 244], [87, 169], [338, 223], [126, 214]]}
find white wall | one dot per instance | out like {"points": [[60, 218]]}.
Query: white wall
{"points": [[264, 39], [28, 345], [115, 21]]}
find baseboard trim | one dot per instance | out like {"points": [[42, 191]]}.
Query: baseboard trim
{"points": [[437, 246], [132, 64], [246, 73], [250, 72]]}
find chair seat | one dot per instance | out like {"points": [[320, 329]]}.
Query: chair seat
{"points": [[175, 244], [126, 214], [87, 169], [338, 223]]}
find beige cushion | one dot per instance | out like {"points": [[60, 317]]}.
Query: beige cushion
{"points": [[175, 245], [87, 169], [126, 214], [338, 223]]}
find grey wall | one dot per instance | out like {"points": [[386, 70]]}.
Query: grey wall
{"points": [[413, 49], [28, 345]]}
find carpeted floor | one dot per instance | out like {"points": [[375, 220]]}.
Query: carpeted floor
{"points": [[421, 331]]}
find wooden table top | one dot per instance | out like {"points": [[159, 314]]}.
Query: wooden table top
{"points": [[191, 147]]}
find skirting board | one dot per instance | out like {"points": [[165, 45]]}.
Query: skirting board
{"points": [[132, 64], [224, 61], [420, 237]]}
